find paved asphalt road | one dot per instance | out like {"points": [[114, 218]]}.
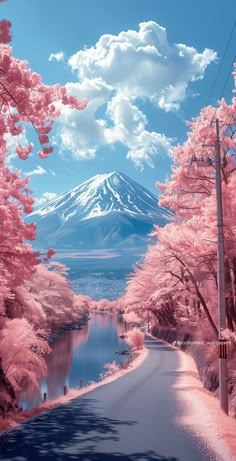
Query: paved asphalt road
{"points": [[132, 419]]}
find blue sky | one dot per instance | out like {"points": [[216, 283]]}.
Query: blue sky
{"points": [[146, 67]]}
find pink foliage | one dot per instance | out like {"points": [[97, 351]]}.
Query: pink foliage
{"points": [[175, 285], [25, 99], [17, 259], [60, 268], [132, 317], [135, 338], [49, 254], [111, 369], [24, 305], [104, 305], [81, 305], [5, 31], [53, 298], [32, 102], [30, 294], [22, 351]]}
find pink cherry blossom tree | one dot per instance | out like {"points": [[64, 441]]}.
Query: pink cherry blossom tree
{"points": [[53, 303], [178, 277], [25, 101], [22, 349]]}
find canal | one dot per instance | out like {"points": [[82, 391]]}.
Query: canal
{"points": [[79, 355]]}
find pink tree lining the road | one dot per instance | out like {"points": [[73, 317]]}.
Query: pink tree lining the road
{"points": [[46, 299], [25, 304], [177, 279], [22, 349], [135, 338], [182, 264]]}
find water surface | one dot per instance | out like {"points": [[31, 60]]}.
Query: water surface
{"points": [[79, 354]]}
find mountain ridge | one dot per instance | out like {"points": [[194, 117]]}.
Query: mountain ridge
{"points": [[105, 211]]}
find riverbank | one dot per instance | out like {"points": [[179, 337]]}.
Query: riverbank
{"points": [[56, 334], [133, 418], [200, 410], [23, 416]]}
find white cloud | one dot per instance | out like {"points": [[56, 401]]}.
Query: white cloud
{"points": [[82, 131], [46, 197], [130, 129], [114, 74], [38, 170], [59, 56], [143, 63]]}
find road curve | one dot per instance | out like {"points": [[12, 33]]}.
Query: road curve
{"points": [[130, 419]]}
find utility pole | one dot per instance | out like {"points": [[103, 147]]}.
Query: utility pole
{"points": [[222, 347], [223, 375]]}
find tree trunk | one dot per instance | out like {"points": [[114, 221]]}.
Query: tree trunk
{"points": [[8, 403]]}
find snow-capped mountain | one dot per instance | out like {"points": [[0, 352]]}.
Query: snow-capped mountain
{"points": [[105, 211]]}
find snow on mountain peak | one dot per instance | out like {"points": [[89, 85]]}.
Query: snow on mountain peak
{"points": [[108, 209], [100, 195]]}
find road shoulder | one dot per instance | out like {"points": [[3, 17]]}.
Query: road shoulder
{"points": [[201, 412]]}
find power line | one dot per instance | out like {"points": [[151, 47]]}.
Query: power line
{"points": [[232, 115], [229, 74], [216, 78], [221, 95], [221, 63]]}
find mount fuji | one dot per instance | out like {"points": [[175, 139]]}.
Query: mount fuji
{"points": [[107, 211]]}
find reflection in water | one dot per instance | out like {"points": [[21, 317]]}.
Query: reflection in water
{"points": [[102, 320], [60, 360], [121, 327], [79, 354]]}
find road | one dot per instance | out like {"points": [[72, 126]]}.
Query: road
{"points": [[130, 419]]}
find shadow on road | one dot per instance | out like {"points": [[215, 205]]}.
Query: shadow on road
{"points": [[159, 347], [155, 344], [74, 431], [177, 373], [146, 456]]}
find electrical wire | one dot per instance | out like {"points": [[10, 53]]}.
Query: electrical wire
{"points": [[221, 96], [221, 63], [232, 115], [225, 83], [229, 74]]}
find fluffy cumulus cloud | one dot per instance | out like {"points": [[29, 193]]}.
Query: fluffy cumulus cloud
{"points": [[115, 74], [129, 128], [46, 197], [59, 56], [82, 132]]}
